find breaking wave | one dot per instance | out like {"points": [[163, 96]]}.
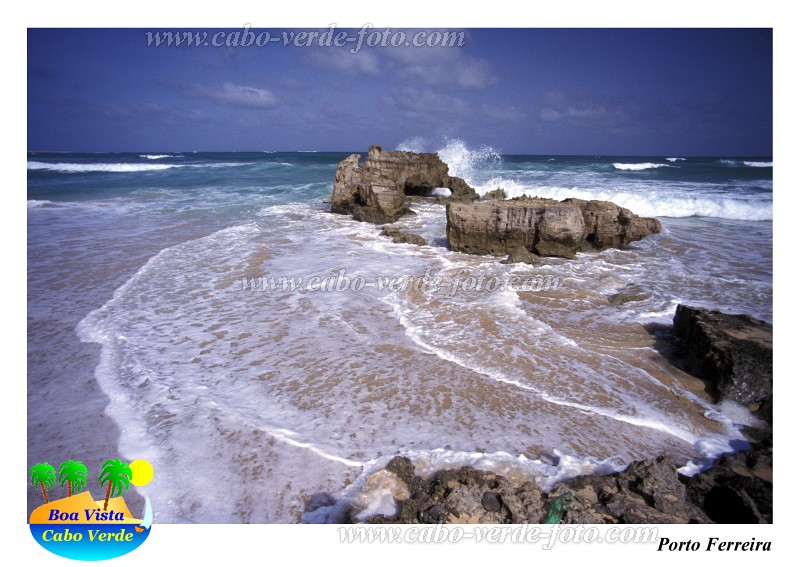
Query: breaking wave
{"points": [[638, 166], [116, 167], [742, 163], [650, 203]]}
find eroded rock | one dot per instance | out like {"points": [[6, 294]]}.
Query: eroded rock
{"points": [[375, 190], [544, 226]]}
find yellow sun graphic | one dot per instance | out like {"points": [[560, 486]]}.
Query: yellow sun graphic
{"points": [[142, 472]]}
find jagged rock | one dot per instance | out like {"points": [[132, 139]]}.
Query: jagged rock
{"points": [[375, 191], [403, 237], [732, 352], [460, 191], [649, 491], [497, 195], [544, 226], [737, 490], [521, 256]]}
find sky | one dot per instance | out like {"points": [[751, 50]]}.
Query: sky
{"points": [[703, 92]]}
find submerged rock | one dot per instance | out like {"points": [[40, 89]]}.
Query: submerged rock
{"points": [[521, 256], [544, 226], [733, 353], [375, 191], [628, 294], [401, 237]]}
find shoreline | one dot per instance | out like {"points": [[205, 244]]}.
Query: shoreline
{"points": [[478, 386], [730, 354]]}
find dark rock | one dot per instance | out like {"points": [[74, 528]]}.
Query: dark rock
{"points": [[647, 491], [545, 226], [521, 256], [491, 501], [737, 490], [436, 514], [732, 352], [375, 191], [403, 237]]}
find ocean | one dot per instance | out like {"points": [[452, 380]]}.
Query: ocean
{"points": [[147, 338]]}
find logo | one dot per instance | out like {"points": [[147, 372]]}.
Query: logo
{"points": [[80, 527]]}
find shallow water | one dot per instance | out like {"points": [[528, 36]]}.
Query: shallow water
{"points": [[252, 404]]}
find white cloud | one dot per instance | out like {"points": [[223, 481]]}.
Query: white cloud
{"points": [[549, 114], [442, 66], [365, 62], [595, 111], [414, 102], [240, 96]]}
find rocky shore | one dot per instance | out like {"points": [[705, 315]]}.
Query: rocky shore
{"points": [[738, 489], [733, 353]]}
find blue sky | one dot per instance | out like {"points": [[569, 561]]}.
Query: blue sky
{"points": [[522, 91]]}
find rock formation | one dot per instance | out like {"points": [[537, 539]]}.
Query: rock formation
{"points": [[498, 194], [733, 353], [544, 226], [375, 190], [738, 489]]}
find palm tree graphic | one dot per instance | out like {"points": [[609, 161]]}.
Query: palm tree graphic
{"points": [[44, 475], [73, 473], [118, 476]]}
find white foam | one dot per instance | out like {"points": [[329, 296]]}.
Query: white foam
{"points": [[117, 167], [35, 204], [415, 144], [740, 163], [650, 202], [463, 162], [156, 156], [638, 166], [674, 159], [441, 192]]}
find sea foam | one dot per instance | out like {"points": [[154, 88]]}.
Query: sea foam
{"points": [[649, 202], [118, 167], [638, 166]]}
